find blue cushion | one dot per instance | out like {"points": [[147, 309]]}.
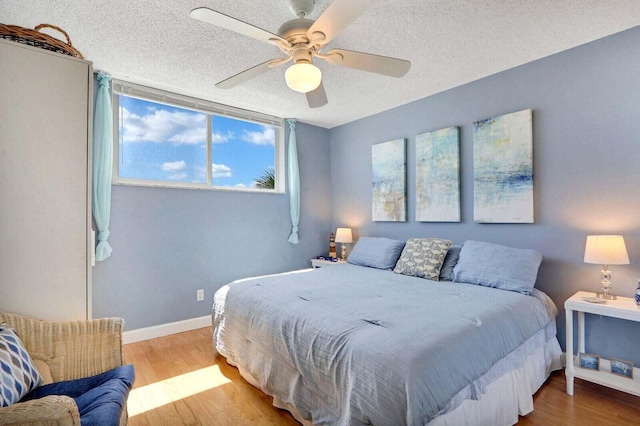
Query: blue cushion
{"points": [[380, 253], [100, 399], [450, 261], [493, 265], [18, 374]]}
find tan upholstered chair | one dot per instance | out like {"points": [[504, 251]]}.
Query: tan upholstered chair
{"points": [[72, 350]]}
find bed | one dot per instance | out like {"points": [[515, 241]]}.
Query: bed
{"points": [[356, 345]]}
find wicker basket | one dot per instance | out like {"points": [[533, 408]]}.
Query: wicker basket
{"points": [[33, 37]]}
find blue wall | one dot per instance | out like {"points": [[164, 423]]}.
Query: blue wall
{"points": [[586, 130], [167, 243]]}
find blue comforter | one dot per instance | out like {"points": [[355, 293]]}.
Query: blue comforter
{"points": [[353, 345]]}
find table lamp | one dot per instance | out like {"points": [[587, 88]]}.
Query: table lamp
{"points": [[343, 235], [606, 250]]}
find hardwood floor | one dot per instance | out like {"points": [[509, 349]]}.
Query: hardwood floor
{"points": [[180, 382]]}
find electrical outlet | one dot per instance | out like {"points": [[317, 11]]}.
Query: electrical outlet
{"points": [[199, 295]]}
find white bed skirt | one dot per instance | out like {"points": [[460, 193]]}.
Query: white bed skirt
{"points": [[500, 395]]}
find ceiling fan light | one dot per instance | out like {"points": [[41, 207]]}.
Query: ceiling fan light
{"points": [[303, 77]]}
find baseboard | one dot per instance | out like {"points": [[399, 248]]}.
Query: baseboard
{"points": [[161, 330]]}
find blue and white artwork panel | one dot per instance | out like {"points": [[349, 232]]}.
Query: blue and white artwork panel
{"points": [[503, 169], [438, 176], [388, 170]]}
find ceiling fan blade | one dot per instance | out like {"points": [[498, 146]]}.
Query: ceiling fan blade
{"points": [[221, 20], [384, 65], [336, 17], [317, 98], [245, 75]]}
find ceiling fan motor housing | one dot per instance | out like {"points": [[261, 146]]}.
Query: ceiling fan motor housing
{"points": [[302, 55], [295, 30]]}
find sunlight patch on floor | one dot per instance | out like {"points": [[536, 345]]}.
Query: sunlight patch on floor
{"points": [[173, 389]]}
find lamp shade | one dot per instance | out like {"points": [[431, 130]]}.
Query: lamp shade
{"points": [[343, 235], [303, 77], [606, 250]]}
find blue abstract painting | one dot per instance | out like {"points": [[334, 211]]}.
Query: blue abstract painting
{"points": [[388, 198], [503, 169], [438, 176]]}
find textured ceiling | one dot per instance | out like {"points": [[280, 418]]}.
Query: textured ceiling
{"points": [[449, 43]]}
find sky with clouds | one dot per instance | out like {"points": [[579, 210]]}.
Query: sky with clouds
{"points": [[162, 142]]}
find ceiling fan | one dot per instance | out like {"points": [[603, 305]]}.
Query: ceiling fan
{"points": [[301, 40]]}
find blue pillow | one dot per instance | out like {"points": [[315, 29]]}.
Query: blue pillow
{"points": [[446, 272], [18, 374], [380, 253], [497, 266]]}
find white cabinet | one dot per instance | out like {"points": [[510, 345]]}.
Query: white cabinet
{"points": [[45, 127]]}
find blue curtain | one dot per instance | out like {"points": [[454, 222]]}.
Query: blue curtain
{"points": [[294, 182], [102, 165]]}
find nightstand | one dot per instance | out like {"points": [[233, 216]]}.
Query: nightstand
{"points": [[319, 263], [621, 307]]}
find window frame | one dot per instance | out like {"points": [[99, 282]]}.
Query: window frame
{"points": [[201, 106]]}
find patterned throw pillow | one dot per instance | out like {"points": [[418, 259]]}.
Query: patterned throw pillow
{"points": [[18, 374], [423, 257]]}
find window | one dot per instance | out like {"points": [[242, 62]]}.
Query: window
{"points": [[164, 139]]}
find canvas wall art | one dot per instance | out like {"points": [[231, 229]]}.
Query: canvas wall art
{"points": [[389, 199], [503, 169], [438, 176]]}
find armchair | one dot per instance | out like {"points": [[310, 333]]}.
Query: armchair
{"points": [[72, 350]]}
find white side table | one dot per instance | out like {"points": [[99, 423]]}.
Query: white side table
{"points": [[319, 263], [622, 307]]}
